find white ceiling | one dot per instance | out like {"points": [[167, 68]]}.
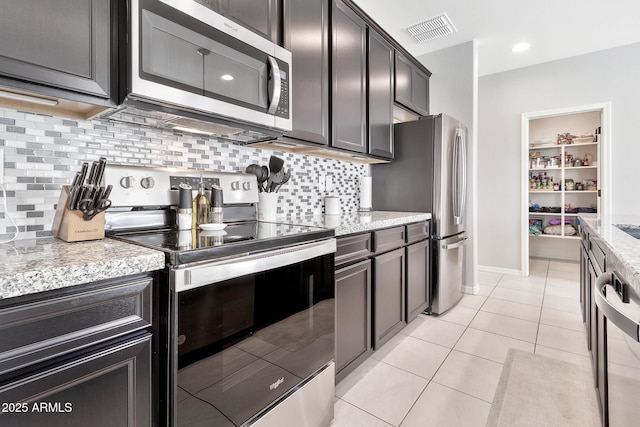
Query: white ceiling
{"points": [[555, 28]]}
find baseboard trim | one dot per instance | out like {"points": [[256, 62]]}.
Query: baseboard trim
{"points": [[473, 290], [499, 270]]}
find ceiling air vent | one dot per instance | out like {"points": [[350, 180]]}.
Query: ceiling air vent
{"points": [[432, 28]]}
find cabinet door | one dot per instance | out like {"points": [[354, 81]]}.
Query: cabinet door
{"points": [[66, 45], [260, 16], [109, 387], [306, 35], [389, 299], [417, 278], [592, 330], [353, 316], [420, 92], [380, 84], [412, 85], [349, 80], [403, 77]]}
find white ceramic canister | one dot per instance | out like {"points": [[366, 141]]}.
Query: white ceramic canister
{"points": [[267, 206], [332, 205]]}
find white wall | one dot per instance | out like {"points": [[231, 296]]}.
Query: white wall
{"points": [[611, 75], [453, 91]]}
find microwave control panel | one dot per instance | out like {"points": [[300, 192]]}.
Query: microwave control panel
{"points": [[283, 105]]}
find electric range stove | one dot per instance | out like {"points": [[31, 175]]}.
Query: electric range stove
{"points": [[247, 313]]}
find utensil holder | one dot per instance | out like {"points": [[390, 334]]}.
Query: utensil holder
{"points": [[267, 206], [70, 226], [332, 205]]}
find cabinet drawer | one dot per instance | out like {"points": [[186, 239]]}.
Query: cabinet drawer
{"points": [[111, 386], [596, 254], [386, 240], [37, 331], [352, 248], [417, 232]]}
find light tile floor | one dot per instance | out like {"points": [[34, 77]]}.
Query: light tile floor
{"points": [[443, 370]]}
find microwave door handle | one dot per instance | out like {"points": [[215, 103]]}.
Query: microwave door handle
{"points": [[274, 85]]}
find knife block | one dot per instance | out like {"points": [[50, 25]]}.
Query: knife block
{"points": [[70, 226]]}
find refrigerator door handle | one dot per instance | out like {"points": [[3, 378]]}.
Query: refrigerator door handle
{"points": [[457, 244], [459, 181]]}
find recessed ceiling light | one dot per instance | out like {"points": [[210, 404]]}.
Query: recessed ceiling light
{"points": [[520, 47], [227, 77]]}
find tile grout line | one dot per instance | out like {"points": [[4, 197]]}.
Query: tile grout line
{"points": [[442, 363], [546, 277], [367, 412]]}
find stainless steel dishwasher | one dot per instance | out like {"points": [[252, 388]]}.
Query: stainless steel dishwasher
{"points": [[620, 304]]}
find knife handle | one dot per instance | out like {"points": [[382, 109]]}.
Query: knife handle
{"points": [[72, 195], [100, 173], [76, 180], [107, 191], [83, 173], [92, 173]]}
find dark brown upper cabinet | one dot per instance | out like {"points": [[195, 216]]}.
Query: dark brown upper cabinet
{"points": [[411, 85], [67, 46], [306, 36], [380, 90], [349, 96]]}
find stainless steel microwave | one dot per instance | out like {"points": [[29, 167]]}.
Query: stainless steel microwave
{"points": [[192, 66]]}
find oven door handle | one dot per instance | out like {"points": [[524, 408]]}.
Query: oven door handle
{"points": [[217, 271]]}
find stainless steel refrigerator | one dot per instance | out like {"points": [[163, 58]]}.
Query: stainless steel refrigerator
{"points": [[428, 174]]}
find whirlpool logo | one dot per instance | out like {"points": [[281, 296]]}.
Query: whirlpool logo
{"points": [[276, 384]]}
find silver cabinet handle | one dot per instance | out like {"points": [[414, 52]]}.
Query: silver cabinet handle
{"points": [[274, 85], [613, 314]]}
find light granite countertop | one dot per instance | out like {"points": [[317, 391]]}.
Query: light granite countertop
{"points": [[624, 248], [358, 222], [36, 265]]}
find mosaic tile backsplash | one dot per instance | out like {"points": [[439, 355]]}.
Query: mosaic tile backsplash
{"points": [[41, 153]]}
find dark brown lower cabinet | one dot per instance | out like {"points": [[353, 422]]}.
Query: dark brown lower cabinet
{"points": [[388, 296], [382, 279], [592, 336], [592, 265], [584, 283], [417, 278], [353, 316], [82, 356], [106, 388]]}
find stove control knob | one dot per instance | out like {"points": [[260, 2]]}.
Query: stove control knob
{"points": [[147, 183], [127, 182], [235, 185], [246, 186]]}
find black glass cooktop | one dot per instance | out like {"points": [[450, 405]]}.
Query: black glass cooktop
{"points": [[186, 246]]}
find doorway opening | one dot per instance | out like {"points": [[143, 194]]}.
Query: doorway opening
{"points": [[565, 173]]}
